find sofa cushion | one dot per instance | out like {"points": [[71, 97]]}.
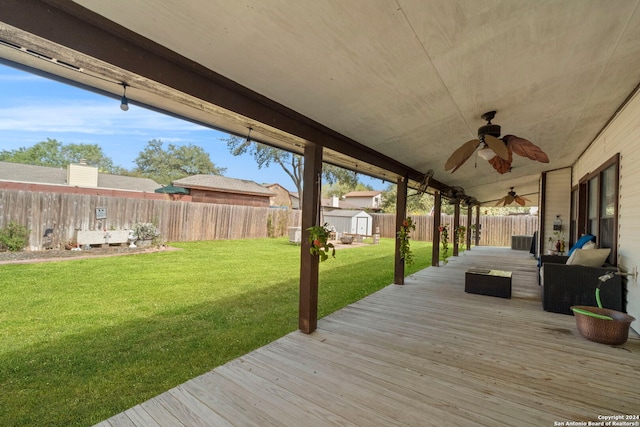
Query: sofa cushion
{"points": [[589, 257], [587, 246], [581, 241]]}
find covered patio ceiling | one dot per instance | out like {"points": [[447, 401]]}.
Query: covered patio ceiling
{"points": [[389, 87]]}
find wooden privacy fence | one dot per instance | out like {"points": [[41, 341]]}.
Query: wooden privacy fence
{"points": [[186, 221], [495, 230], [177, 221]]}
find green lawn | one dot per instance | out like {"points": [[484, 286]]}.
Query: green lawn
{"points": [[81, 340]]}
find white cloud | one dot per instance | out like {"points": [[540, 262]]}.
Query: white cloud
{"points": [[87, 117], [19, 77]]}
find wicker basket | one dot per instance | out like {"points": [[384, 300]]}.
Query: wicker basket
{"points": [[612, 332]]}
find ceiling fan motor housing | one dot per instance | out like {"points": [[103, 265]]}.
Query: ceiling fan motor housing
{"points": [[489, 129]]}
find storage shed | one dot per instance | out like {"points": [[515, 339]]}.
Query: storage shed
{"points": [[349, 221]]}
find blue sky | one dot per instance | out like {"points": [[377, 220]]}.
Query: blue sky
{"points": [[34, 108]]}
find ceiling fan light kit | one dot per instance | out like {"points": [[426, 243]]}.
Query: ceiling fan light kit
{"points": [[486, 153], [498, 152]]}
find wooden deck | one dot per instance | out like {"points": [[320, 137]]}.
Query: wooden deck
{"points": [[422, 354]]}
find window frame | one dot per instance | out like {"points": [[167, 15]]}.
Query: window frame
{"points": [[583, 194]]}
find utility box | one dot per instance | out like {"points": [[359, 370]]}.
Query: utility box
{"points": [[101, 213], [295, 235]]}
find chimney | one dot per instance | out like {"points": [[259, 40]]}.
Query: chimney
{"points": [[335, 202], [82, 175]]}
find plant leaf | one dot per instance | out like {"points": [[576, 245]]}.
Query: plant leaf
{"points": [[525, 148], [461, 155]]}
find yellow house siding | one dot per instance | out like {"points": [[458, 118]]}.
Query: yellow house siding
{"points": [[557, 202], [622, 136]]}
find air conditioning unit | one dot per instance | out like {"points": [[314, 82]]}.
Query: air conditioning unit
{"points": [[521, 243]]}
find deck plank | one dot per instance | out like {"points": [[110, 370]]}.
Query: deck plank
{"points": [[425, 353]]}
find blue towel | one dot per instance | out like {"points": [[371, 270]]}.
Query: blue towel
{"points": [[581, 242]]}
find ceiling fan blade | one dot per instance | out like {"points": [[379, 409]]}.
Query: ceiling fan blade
{"points": [[498, 146], [461, 155], [525, 148], [502, 166], [524, 200], [501, 201], [509, 199], [520, 200]]}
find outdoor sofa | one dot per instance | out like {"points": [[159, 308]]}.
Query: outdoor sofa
{"points": [[572, 279]]}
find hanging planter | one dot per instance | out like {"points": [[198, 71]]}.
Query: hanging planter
{"points": [[444, 240], [403, 237], [319, 240], [460, 234]]}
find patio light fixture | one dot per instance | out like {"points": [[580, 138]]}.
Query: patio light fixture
{"points": [[486, 153], [124, 103]]}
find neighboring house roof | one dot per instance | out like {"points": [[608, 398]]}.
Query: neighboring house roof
{"points": [[363, 194], [224, 184], [18, 172], [275, 184]]}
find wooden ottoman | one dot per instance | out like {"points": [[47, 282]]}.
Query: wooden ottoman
{"points": [[495, 283]]}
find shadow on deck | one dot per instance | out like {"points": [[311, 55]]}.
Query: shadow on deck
{"points": [[425, 353]]}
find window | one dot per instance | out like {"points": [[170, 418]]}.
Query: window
{"points": [[600, 217], [573, 226], [592, 206], [608, 206]]}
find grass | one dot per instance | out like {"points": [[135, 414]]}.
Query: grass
{"points": [[82, 340]]}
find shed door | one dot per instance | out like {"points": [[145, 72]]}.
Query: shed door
{"points": [[362, 225]]}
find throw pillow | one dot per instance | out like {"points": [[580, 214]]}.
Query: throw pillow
{"points": [[572, 257], [581, 241], [590, 245], [589, 258]]}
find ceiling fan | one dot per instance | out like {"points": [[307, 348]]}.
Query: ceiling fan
{"points": [[512, 197], [497, 151]]}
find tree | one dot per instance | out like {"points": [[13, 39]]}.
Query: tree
{"points": [[339, 189], [264, 155], [336, 175], [166, 166], [55, 154], [292, 164], [417, 204]]}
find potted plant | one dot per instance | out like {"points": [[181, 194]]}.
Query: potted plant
{"points": [[145, 233], [557, 243], [602, 325], [461, 231], [403, 236], [319, 240], [444, 239]]}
